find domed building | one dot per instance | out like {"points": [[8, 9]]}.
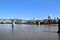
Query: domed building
{"points": [[50, 17]]}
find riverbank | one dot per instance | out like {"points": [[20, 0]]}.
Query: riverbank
{"points": [[32, 24]]}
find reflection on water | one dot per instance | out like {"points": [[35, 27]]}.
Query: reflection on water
{"points": [[12, 30], [28, 32]]}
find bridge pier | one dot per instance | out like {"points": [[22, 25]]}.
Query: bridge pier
{"points": [[58, 26], [13, 23], [39, 23]]}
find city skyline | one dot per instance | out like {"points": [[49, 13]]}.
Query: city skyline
{"points": [[27, 9]]}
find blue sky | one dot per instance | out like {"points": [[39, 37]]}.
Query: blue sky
{"points": [[27, 9]]}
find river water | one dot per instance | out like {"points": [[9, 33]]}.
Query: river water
{"points": [[28, 32]]}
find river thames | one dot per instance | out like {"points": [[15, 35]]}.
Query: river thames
{"points": [[28, 32]]}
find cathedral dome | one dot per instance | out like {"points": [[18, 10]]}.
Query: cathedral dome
{"points": [[50, 17]]}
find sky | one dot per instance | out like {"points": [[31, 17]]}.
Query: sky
{"points": [[27, 9]]}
